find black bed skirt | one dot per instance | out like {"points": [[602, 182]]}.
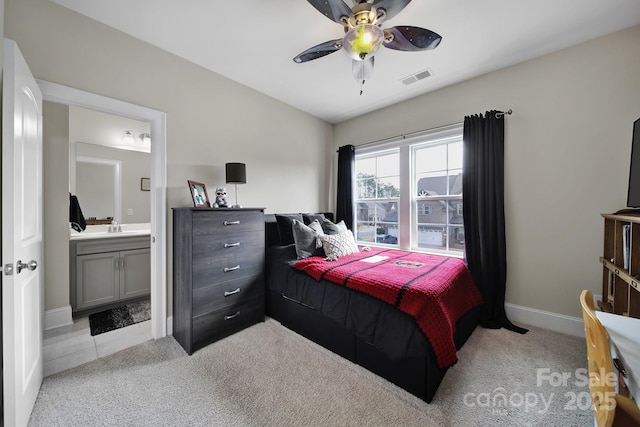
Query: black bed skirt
{"points": [[420, 376]]}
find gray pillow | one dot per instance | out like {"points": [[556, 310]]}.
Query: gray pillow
{"points": [[285, 223], [308, 218], [305, 238], [331, 228]]}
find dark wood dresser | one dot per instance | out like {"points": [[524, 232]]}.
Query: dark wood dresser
{"points": [[218, 273]]}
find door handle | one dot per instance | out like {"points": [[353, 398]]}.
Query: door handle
{"points": [[31, 265]]}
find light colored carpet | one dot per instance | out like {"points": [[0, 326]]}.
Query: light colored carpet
{"points": [[267, 375]]}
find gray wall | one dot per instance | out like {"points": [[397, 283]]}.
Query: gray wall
{"points": [[211, 120], [567, 152], [55, 129]]}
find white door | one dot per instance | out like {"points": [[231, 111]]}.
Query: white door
{"points": [[22, 276]]}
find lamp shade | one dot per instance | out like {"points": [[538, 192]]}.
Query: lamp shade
{"points": [[236, 173]]}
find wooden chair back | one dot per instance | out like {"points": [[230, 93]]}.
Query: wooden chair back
{"points": [[600, 365]]}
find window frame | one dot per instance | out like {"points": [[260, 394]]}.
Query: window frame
{"points": [[407, 202]]}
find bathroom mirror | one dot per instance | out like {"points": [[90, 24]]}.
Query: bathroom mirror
{"points": [[98, 187], [106, 169]]}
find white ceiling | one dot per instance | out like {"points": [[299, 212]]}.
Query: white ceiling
{"points": [[253, 42]]}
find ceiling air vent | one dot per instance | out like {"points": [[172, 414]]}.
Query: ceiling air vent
{"points": [[417, 76]]}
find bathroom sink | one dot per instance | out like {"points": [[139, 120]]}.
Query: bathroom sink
{"points": [[102, 231]]}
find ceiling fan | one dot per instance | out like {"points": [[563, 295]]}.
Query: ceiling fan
{"points": [[364, 35]]}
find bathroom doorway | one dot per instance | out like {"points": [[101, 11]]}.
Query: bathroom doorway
{"points": [[109, 160], [157, 121]]}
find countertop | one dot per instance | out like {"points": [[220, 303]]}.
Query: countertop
{"points": [[101, 231]]}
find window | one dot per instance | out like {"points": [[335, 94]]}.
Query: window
{"points": [[438, 183], [377, 195], [409, 192], [424, 209]]}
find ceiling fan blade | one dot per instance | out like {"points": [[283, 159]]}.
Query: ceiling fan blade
{"points": [[392, 7], [332, 9], [410, 38], [362, 70], [323, 49]]}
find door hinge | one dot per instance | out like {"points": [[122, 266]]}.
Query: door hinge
{"points": [[8, 269]]}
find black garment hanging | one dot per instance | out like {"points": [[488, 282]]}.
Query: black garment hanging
{"points": [[76, 218]]}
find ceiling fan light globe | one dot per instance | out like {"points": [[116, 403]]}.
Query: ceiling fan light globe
{"points": [[363, 41]]}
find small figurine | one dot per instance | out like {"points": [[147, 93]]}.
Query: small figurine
{"points": [[221, 198]]}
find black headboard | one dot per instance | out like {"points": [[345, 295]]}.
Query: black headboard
{"points": [[272, 234]]}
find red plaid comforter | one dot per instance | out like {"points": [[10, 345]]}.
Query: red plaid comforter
{"points": [[435, 290]]}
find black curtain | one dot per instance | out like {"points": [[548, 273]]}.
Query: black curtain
{"points": [[483, 213], [344, 204]]}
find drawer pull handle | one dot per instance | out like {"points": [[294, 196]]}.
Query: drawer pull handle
{"points": [[231, 222], [231, 245], [228, 293], [231, 316], [228, 269]]}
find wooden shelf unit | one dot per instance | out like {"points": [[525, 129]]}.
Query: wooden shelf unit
{"points": [[620, 285]]}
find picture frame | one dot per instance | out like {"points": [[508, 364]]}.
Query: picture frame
{"points": [[199, 194], [145, 184]]}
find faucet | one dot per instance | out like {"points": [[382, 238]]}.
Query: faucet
{"points": [[114, 227]]}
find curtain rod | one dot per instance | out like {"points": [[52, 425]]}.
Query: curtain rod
{"points": [[502, 113], [406, 135]]}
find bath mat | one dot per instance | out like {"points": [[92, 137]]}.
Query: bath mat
{"points": [[119, 317]]}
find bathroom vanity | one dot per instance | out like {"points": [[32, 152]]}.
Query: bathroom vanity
{"points": [[107, 268]]}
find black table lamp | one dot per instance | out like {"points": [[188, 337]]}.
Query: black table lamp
{"points": [[236, 174]]}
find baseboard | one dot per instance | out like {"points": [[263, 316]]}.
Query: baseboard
{"points": [[545, 319], [170, 325], [58, 317]]}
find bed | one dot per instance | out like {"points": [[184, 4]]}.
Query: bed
{"points": [[370, 328]]}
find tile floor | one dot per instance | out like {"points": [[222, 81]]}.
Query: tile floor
{"points": [[72, 345]]}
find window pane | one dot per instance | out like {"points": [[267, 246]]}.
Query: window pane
{"points": [[388, 165], [456, 238], [455, 155], [455, 182], [432, 184], [378, 176], [377, 222], [440, 225], [388, 187], [365, 186], [431, 159], [366, 166]]}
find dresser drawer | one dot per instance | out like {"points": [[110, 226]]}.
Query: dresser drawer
{"points": [[222, 270], [210, 326], [226, 222], [236, 245], [221, 295]]}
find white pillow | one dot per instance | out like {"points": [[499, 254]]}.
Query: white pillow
{"points": [[338, 245]]}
